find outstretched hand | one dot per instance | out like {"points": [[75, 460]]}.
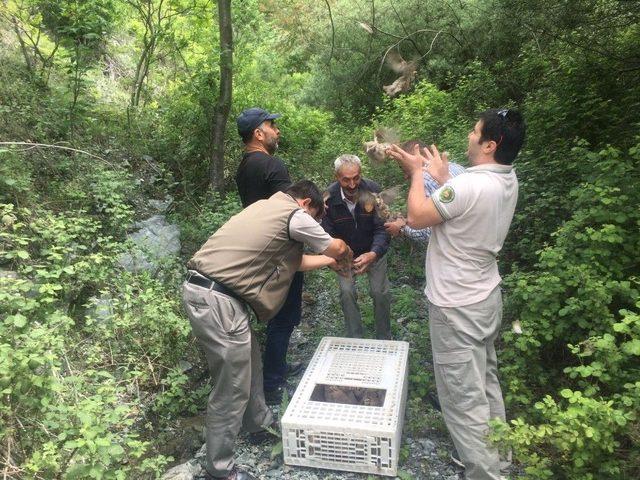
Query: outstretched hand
{"points": [[362, 263], [427, 159], [394, 228], [409, 162], [437, 165]]}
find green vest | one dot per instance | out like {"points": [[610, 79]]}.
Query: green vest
{"points": [[253, 256]]}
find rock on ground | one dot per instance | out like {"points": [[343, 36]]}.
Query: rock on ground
{"points": [[154, 241]]}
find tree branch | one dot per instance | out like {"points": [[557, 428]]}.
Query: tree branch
{"points": [[404, 29], [333, 34], [46, 145]]}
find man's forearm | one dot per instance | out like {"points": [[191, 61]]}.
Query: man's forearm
{"points": [[421, 211], [338, 249], [416, 200], [313, 262]]}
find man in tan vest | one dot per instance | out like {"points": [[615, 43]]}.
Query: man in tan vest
{"points": [[247, 265]]}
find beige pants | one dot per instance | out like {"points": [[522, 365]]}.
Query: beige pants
{"points": [[221, 325], [466, 371]]}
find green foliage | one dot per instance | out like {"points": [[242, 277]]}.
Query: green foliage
{"points": [[178, 396], [88, 355], [36, 112], [580, 282], [15, 177], [198, 222], [574, 296], [609, 357], [63, 410], [88, 438], [586, 432], [145, 334], [426, 114], [71, 376]]}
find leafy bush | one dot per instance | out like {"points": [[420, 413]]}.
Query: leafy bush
{"points": [[577, 304], [71, 382], [198, 222]]}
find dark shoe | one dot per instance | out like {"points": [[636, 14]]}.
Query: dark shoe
{"points": [[432, 398], [274, 397], [235, 474], [294, 369], [266, 435], [455, 458]]}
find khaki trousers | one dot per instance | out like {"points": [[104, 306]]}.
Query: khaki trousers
{"points": [[379, 289], [466, 372], [221, 325]]}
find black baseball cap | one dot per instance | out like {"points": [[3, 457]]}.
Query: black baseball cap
{"points": [[251, 118]]}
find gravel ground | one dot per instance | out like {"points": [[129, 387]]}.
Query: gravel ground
{"points": [[425, 451]]}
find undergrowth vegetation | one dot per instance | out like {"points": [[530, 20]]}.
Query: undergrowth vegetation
{"points": [[92, 356]]}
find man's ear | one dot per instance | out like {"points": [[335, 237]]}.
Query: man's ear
{"points": [[304, 202], [490, 147]]}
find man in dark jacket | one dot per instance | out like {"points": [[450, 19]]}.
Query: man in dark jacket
{"points": [[260, 175], [355, 221]]}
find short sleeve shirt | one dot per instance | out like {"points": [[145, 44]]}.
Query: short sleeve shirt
{"points": [[259, 176], [477, 207], [304, 229], [430, 186]]}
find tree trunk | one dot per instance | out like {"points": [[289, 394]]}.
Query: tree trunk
{"points": [[23, 47], [223, 105]]}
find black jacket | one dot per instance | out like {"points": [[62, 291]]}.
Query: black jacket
{"points": [[363, 234]]}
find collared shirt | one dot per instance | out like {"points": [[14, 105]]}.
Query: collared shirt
{"points": [[363, 231], [350, 205], [430, 186], [477, 208]]}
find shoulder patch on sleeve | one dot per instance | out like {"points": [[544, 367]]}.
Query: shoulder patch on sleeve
{"points": [[447, 194]]}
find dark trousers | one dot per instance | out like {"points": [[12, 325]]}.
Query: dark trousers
{"points": [[279, 331]]}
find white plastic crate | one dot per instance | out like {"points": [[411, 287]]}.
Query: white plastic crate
{"points": [[340, 436]]}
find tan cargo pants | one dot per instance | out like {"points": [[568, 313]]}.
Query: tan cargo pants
{"points": [[221, 325], [466, 371]]}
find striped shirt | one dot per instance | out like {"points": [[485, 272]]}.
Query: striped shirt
{"points": [[430, 186]]}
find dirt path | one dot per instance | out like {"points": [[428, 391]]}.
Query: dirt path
{"points": [[425, 445]]}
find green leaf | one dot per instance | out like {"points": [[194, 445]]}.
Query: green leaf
{"points": [[566, 393], [276, 450], [632, 347], [18, 320], [116, 450]]}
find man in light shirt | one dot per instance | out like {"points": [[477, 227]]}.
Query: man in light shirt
{"points": [[399, 225], [469, 216]]}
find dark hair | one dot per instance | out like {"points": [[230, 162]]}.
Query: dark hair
{"points": [[247, 136], [409, 144], [507, 128], [307, 189]]}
